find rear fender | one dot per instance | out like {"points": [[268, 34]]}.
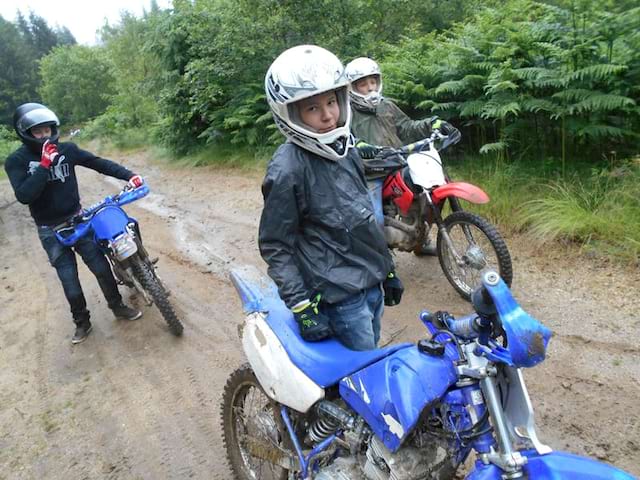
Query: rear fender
{"points": [[463, 190]]}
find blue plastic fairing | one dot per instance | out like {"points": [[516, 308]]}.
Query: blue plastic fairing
{"points": [[555, 466], [325, 362], [79, 232], [392, 393], [527, 339], [109, 222]]}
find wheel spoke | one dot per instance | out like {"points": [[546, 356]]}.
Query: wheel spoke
{"points": [[478, 247], [257, 433]]}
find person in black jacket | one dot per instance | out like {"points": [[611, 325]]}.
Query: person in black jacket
{"points": [[42, 174], [325, 250]]}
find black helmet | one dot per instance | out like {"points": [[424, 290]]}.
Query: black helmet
{"points": [[29, 115]]}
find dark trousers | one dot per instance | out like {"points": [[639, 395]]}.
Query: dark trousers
{"points": [[63, 259]]}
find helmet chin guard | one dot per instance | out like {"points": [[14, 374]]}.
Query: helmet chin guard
{"points": [[303, 72], [359, 68]]}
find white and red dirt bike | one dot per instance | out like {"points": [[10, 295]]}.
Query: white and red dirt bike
{"points": [[415, 191]]}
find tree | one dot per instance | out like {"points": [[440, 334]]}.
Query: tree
{"points": [[21, 47], [18, 76], [77, 82]]}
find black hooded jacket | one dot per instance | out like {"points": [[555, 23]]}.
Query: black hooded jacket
{"points": [[52, 194], [318, 233]]}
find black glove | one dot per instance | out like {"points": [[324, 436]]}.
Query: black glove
{"points": [[445, 127], [314, 325], [367, 151], [393, 289]]}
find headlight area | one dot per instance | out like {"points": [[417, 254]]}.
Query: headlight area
{"points": [[123, 246]]}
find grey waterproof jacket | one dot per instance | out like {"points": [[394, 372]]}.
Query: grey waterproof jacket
{"points": [[388, 126], [318, 233]]}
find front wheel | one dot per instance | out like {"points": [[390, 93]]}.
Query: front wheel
{"points": [[152, 286], [468, 245]]}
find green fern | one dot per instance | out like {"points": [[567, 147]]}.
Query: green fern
{"points": [[536, 105], [597, 72], [602, 102], [599, 132], [471, 108]]}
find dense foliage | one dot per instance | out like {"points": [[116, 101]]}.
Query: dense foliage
{"points": [[530, 78], [521, 77], [22, 44], [548, 90]]}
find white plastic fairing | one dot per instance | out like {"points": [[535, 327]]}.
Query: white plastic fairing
{"points": [[280, 378], [426, 169]]}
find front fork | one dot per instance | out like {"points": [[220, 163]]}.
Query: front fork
{"points": [[436, 215]]}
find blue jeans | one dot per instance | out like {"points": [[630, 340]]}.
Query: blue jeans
{"points": [[356, 320], [63, 259]]}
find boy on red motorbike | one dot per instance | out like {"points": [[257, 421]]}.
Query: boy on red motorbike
{"points": [[379, 121]]}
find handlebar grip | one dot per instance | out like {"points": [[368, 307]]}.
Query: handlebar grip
{"points": [[483, 302], [465, 327]]}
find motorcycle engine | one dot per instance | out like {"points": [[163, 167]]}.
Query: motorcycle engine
{"points": [[405, 464], [341, 469], [402, 231]]}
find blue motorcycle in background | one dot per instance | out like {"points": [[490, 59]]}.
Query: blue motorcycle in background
{"points": [[303, 410], [118, 236]]}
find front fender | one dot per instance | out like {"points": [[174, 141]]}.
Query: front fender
{"points": [[554, 466], [463, 190]]}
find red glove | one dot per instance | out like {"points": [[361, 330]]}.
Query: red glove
{"points": [[49, 154], [135, 181]]}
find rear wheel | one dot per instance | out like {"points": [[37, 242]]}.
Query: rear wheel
{"points": [[253, 433], [151, 284], [478, 247]]}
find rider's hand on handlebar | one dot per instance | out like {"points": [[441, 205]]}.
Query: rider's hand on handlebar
{"points": [[135, 181], [49, 154], [367, 151], [393, 290], [445, 128]]}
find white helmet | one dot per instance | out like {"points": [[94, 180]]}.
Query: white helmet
{"points": [[359, 68], [302, 72]]}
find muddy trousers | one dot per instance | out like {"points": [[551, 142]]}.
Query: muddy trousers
{"points": [[63, 259]]}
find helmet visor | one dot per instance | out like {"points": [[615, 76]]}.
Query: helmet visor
{"points": [[39, 116]]}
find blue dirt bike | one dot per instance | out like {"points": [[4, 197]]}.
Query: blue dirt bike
{"points": [[303, 410], [118, 236]]}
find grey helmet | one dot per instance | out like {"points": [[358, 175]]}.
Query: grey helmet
{"points": [[359, 68], [29, 115], [302, 72]]}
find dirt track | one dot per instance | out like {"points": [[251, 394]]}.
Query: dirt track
{"points": [[133, 402]]}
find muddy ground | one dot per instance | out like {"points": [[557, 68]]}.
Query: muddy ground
{"points": [[133, 402]]}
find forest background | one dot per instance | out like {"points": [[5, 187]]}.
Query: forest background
{"points": [[546, 93]]}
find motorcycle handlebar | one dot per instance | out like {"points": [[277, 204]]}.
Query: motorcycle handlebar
{"points": [[79, 224], [435, 135]]}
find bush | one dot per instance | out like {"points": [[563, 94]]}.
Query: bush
{"points": [[8, 143], [601, 212]]}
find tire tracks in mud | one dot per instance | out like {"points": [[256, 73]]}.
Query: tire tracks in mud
{"points": [[42, 329], [611, 347]]}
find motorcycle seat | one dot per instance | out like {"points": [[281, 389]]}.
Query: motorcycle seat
{"points": [[325, 362]]}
